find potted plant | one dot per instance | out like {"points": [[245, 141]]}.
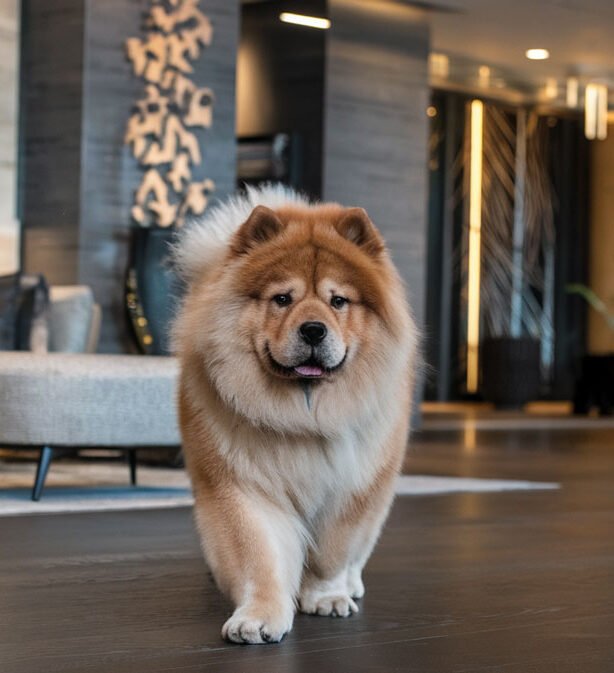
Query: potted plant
{"points": [[517, 258], [595, 383]]}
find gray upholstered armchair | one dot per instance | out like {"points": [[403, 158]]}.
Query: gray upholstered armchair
{"points": [[71, 398]]}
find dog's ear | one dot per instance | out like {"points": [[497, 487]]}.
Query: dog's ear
{"points": [[261, 226], [356, 227]]}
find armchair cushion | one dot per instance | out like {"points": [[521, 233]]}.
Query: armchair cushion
{"points": [[64, 399], [74, 319]]}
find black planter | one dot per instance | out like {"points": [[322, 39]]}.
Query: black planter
{"points": [[152, 289], [595, 385], [510, 371]]}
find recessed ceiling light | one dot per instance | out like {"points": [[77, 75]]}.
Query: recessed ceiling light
{"points": [[303, 20], [537, 54]]}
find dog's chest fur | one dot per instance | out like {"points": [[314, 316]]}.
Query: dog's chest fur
{"points": [[309, 473]]}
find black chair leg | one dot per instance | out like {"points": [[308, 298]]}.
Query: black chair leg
{"points": [[132, 463], [44, 461]]}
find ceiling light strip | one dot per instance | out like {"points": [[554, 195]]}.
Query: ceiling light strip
{"points": [[304, 20]]}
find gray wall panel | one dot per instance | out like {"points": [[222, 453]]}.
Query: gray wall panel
{"points": [[375, 126]]}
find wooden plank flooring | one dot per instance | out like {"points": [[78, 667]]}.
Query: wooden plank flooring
{"points": [[517, 582]]}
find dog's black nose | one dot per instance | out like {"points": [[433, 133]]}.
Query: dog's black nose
{"points": [[312, 332]]}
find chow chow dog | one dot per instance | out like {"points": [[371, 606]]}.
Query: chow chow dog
{"points": [[297, 354]]}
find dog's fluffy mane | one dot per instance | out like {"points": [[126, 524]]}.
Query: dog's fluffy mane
{"points": [[204, 241]]}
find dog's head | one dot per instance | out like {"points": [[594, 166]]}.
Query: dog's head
{"points": [[314, 281], [304, 294]]}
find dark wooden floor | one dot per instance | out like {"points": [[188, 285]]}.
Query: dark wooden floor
{"points": [[502, 582]]}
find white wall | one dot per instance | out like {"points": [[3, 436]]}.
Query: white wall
{"points": [[9, 78]]}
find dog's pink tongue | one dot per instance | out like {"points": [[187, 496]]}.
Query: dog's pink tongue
{"points": [[308, 370]]}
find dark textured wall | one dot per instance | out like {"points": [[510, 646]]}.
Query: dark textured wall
{"points": [[52, 106], [375, 126], [79, 178], [109, 174]]}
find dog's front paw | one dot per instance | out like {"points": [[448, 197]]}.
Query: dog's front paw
{"points": [[314, 602], [251, 625], [356, 588]]}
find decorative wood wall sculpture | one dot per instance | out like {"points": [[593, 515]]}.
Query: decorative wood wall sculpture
{"points": [[162, 127]]}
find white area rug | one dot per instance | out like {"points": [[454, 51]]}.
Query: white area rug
{"points": [[96, 487], [430, 485]]}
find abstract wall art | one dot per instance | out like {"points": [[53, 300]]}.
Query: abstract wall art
{"points": [[166, 126]]}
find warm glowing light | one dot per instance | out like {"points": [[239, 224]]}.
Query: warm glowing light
{"points": [[439, 65], [571, 97], [469, 435], [484, 75], [551, 89], [596, 111], [431, 111], [303, 20], [475, 240], [537, 54]]}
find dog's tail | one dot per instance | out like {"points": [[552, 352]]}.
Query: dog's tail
{"points": [[205, 241]]}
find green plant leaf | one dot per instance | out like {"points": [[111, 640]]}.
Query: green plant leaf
{"points": [[593, 299]]}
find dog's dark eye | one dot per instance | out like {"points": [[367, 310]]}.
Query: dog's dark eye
{"points": [[338, 302], [282, 299]]}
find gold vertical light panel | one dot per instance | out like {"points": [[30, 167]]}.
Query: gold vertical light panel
{"points": [[475, 240], [596, 111]]}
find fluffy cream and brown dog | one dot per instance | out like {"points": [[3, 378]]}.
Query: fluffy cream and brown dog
{"points": [[297, 359]]}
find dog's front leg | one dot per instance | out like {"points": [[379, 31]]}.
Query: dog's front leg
{"points": [[344, 542], [256, 554]]}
